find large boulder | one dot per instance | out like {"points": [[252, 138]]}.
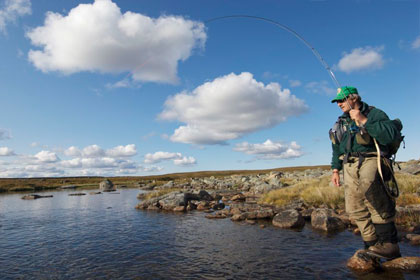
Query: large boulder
{"points": [[411, 264], [325, 220], [107, 186], [361, 262], [172, 200], [290, 218]]}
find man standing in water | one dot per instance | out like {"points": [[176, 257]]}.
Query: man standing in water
{"points": [[367, 201]]}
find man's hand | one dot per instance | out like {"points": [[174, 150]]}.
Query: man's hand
{"points": [[357, 116], [336, 178]]}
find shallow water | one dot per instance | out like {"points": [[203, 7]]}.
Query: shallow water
{"points": [[104, 237]]}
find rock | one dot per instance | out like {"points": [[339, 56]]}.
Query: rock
{"points": [[216, 216], [106, 186], [152, 207], [202, 206], [251, 222], [262, 226], [218, 206], [289, 219], [413, 237], [208, 211], [239, 217], [34, 196], [238, 197], [92, 193], [171, 200], [179, 209], [76, 194], [409, 264], [306, 214], [67, 187], [362, 262], [323, 219]]}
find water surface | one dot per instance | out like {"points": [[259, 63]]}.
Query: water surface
{"points": [[104, 237]]}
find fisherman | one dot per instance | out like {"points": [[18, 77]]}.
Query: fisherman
{"points": [[367, 201]]}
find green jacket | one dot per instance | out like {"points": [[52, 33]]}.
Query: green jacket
{"points": [[378, 125]]}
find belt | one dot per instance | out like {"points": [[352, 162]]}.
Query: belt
{"points": [[350, 157]]}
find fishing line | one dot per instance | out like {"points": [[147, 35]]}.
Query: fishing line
{"points": [[288, 29]]}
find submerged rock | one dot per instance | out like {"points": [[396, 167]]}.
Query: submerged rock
{"points": [[34, 196]]}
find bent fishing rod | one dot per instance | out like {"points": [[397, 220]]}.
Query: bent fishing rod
{"points": [[290, 30]]}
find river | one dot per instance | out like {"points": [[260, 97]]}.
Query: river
{"points": [[104, 237]]}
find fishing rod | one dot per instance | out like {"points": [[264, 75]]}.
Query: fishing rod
{"points": [[288, 29]]}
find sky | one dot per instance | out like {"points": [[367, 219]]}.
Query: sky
{"points": [[124, 88]]}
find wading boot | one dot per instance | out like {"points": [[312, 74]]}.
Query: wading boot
{"points": [[370, 243], [387, 245], [386, 250]]}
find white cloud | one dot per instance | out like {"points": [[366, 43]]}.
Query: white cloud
{"points": [[367, 58], [122, 151], [95, 151], [270, 150], [295, 83], [4, 134], [98, 37], [5, 151], [177, 158], [185, 161], [12, 10], [321, 88], [416, 43], [124, 83], [47, 156], [229, 107], [161, 156]]}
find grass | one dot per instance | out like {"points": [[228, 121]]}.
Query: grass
{"points": [[314, 192], [317, 192], [156, 193]]}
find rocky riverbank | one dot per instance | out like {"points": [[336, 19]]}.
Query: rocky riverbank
{"points": [[239, 198]]}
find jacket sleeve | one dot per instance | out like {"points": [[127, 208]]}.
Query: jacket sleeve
{"points": [[380, 127], [336, 163]]}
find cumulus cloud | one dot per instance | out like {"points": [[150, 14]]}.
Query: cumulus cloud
{"points": [[12, 10], [322, 88], [122, 151], [270, 150], [161, 156], [5, 152], [177, 158], [95, 151], [367, 58], [416, 43], [98, 37], [4, 134], [91, 160], [47, 156], [184, 161], [229, 107]]}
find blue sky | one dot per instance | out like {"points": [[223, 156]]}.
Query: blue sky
{"points": [[118, 88]]}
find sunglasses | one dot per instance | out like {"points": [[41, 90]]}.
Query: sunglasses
{"points": [[340, 100]]}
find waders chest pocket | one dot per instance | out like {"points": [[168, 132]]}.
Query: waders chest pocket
{"points": [[363, 138]]}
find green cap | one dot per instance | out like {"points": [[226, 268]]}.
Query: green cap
{"points": [[344, 92]]}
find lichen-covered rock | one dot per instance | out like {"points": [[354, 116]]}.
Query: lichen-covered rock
{"points": [[361, 262], [323, 219], [238, 197], [290, 218], [411, 264], [106, 186]]}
